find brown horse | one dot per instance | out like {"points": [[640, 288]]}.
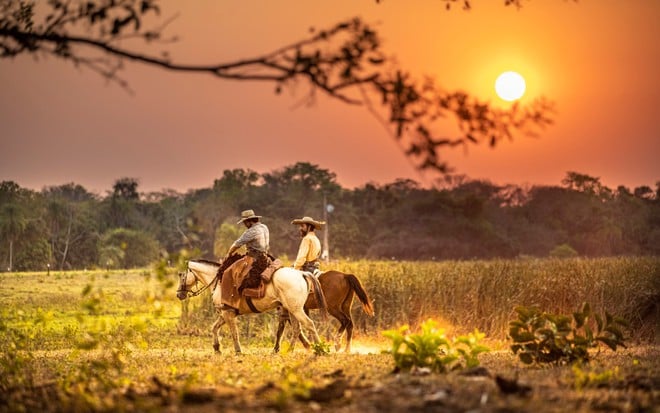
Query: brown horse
{"points": [[339, 289]]}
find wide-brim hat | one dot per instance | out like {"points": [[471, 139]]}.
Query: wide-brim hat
{"points": [[309, 220], [248, 214]]}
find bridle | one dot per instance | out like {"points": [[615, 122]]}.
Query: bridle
{"points": [[191, 292]]}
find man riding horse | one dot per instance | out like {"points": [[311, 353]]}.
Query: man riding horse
{"points": [[309, 250], [256, 240]]}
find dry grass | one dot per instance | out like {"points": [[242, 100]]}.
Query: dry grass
{"points": [[143, 363]]}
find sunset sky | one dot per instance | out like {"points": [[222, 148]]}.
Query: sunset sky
{"points": [[598, 60]]}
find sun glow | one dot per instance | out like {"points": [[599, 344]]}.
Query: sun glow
{"points": [[510, 86]]}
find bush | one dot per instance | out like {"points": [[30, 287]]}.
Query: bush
{"points": [[432, 349], [127, 248], [541, 337], [563, 251]]}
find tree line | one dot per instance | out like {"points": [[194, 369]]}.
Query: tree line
{"points": [[67, 227]]}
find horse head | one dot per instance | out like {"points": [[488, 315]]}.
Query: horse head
{"points": [[197, 271], [186, 280]]}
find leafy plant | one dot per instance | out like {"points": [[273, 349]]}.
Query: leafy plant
{"points": [[321, 348], [541, 337], [432, 349], [584, 378]]}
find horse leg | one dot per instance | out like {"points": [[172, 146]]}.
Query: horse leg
{"points": [[349, 334], [340, 331], [296, 332], [230, 319], [336, 313], [302, 337], [216, 327], [305, 323], [347, 324], [283, 318]]}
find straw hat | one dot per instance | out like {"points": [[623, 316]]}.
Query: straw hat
{"points": [[247, 214], [309, 220]]}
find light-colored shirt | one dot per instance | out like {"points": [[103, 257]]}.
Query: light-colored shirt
{"points": [[309, 250], [256, 238]]}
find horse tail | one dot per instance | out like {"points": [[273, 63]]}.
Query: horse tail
{"points": [[356, 286], [320, 297]]}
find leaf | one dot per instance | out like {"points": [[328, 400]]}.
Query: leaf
{"points": [[589, 333], [522, 336], [608, 318], [622, 321], [599, 323], [523, 313], [580, 341], [478, 349], [546, 332], [516, 324], [612, 344], [526, 358], [615, 331]]}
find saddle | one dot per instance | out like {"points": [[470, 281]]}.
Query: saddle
{"points": [[266, 277], [235, 275]]}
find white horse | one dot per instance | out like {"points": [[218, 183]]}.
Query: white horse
{"points": [[288, 288]]}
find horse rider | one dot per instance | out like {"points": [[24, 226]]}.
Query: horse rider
{"points": [[256, 240], [309, 250]]}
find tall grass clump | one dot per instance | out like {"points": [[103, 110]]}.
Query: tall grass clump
{"points": [[483, 294]]}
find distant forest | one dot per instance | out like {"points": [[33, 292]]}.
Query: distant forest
{"points": [[67, 227]]}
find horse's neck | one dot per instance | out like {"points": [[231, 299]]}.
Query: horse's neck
{"points": [[205, 273]]}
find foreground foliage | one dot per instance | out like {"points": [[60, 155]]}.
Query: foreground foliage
{"points": [[541, 337], [430, 348]]}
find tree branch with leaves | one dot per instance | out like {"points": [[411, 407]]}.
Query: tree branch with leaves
{"points": [[345, 62]]}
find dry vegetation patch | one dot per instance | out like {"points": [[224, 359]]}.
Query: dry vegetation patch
{"points": [[119, 346]]}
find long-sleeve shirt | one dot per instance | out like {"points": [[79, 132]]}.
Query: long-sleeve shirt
{"points": [[255, 238], [309, 250]]}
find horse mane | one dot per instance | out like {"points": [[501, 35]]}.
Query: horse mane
{"points": [[203, 261], [227, 263]]}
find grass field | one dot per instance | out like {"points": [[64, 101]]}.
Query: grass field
{"points": [[101, 341]]}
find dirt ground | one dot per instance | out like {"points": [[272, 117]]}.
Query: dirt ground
{"points": [[626, 381]]}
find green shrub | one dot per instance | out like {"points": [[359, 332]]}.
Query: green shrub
{"points": [[541, 337], [432, 349], [563, 251]]}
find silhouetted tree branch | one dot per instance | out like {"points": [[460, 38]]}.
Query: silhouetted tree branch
{"points": [[346, 62]]}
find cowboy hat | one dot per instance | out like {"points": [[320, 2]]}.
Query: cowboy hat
{"points": [[309, 220], [247, 214]]}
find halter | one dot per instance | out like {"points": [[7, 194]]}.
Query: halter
{"points": [[193, 293]]}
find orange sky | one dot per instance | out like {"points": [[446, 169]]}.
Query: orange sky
{"points": [[597, 59]]}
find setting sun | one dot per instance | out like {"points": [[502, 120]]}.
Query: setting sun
{"points": [[510, 86]]}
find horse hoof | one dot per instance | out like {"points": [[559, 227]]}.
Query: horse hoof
{"points": [[216, 349]]}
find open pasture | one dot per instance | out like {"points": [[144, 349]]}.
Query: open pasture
{"points": [[120, 340]]}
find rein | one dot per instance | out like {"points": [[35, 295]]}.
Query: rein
{"points": [[192, 293], [218, 276]]}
